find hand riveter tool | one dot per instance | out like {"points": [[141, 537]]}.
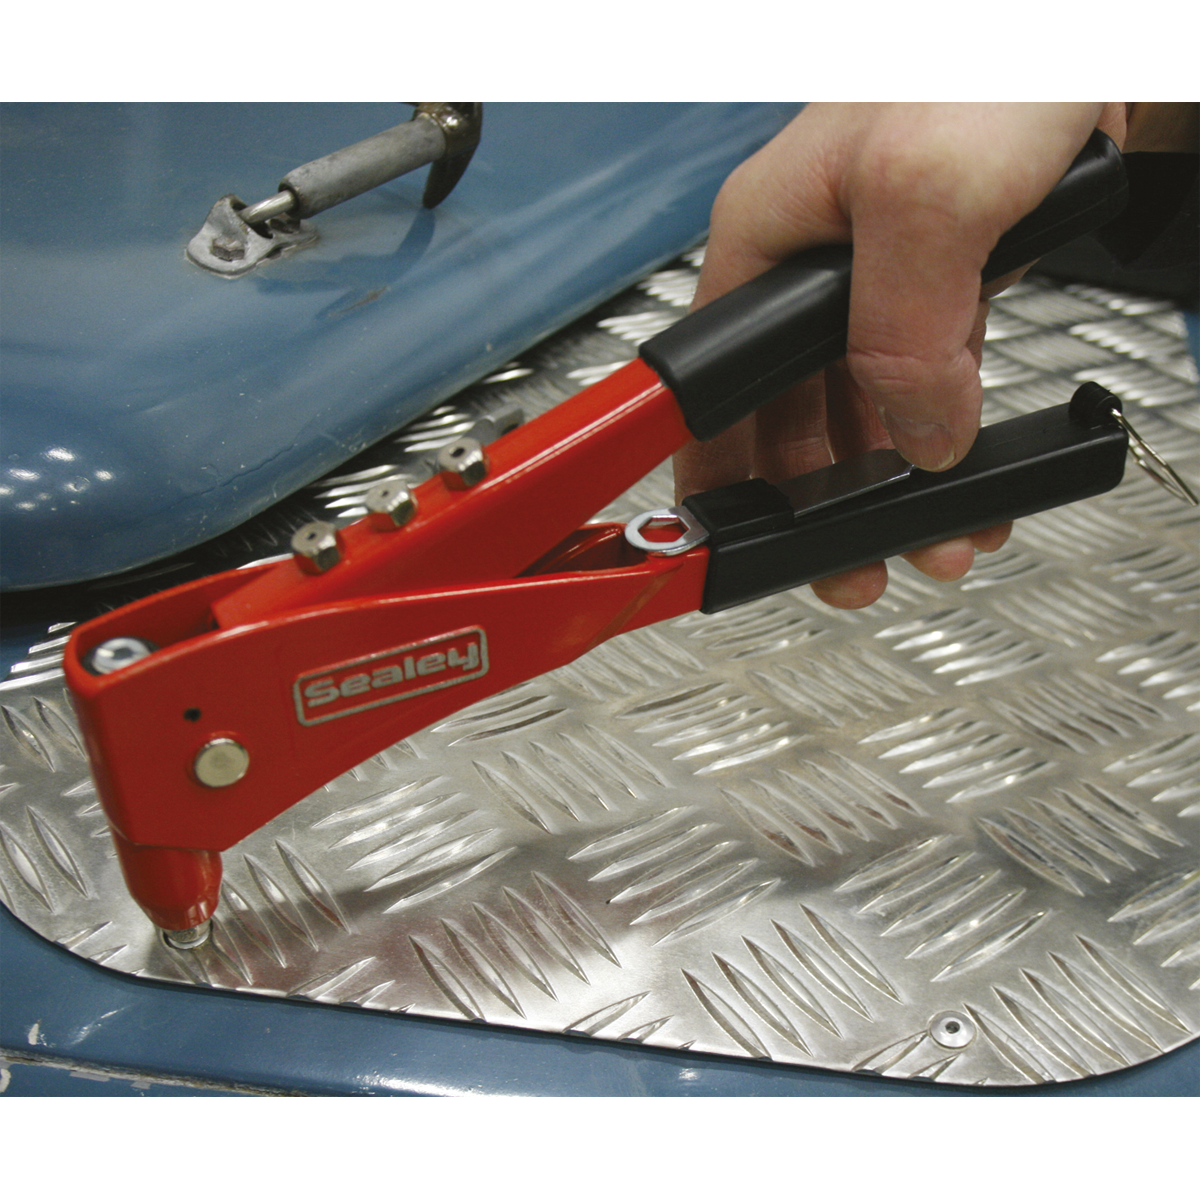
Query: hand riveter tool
{"points": [[210, 708]]}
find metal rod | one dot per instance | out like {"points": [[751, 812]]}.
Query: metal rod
{"points": [[273, 206]]}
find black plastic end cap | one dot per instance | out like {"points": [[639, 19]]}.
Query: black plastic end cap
{"points": [[1093, 405]]}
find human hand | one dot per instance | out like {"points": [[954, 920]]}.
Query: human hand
{"points": [[924, 191]]}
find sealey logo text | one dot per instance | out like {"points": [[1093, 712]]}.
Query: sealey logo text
{"points": [[392, 675]]}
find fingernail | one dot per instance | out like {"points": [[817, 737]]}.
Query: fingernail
{"points": [[926, 444]]}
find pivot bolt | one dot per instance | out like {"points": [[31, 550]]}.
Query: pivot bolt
{"points": [[317, 547], [221, 762], [462, 463], [116, 653], [390, 505]]}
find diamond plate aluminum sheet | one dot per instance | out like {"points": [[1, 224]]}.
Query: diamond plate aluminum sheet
{"points": [[952, 837]]}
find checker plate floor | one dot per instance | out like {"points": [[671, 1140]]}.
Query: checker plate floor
{"points": [[951, 837]]}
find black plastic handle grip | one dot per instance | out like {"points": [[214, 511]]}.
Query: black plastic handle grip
{"points": [[759, 545], [726, 359]]}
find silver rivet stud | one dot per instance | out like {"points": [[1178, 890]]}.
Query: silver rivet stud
{"points": [[188, 939], [220, 763], [116, 653], [390, 505], [952, 1030], [462, 463], [317, 546]]}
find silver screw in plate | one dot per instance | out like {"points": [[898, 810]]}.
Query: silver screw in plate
{"points": [[952, 1030], [462, 463], [188, 939], [116, 653], [390, 505], [221, 762], [317, 546]]}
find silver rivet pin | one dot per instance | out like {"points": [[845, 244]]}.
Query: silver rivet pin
{"points": [[462, 463], [390, 505], [317, 546], [221, 762]]}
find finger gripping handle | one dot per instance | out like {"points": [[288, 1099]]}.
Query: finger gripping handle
{"points": [[759, 544], [733, 355]]}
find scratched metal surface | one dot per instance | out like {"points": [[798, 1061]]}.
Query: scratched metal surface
{"points": [[952, 837]]}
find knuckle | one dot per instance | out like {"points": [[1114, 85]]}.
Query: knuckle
{"points": [[904, 171], [932, 185], [898, 376]]}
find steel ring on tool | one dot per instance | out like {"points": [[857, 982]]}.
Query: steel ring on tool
{"points": [[693, 532]]}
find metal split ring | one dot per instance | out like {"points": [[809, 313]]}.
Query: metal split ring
{"points": [[693, 532]]}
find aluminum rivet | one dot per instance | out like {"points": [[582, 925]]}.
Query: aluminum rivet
{"points": [[952, 1030], [317, 547], [220, 763], [188, 939], [116, 653], [462, 463], [390, 505]]}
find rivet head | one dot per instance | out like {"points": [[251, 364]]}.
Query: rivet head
{"points": [[390, 505], [952, 1030], [462, 463], [188, 939], [317, 546], [116, 653], [221, 762]]}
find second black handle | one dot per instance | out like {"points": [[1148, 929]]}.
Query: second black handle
{"points": [[759, 545]]}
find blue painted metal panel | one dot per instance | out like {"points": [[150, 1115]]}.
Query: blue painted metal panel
{"points": [[149, 405], [60, 1079]]}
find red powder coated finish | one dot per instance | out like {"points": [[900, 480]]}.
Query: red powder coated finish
{"points": [[312, 674]]}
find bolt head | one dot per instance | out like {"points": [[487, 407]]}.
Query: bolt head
{"points": [[221, 762], [462, 463], [228, 249], [317, 547], [116, 653], [390, 505]]}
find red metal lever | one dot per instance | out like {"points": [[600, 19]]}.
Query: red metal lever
{"points": [[268, 682]]}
